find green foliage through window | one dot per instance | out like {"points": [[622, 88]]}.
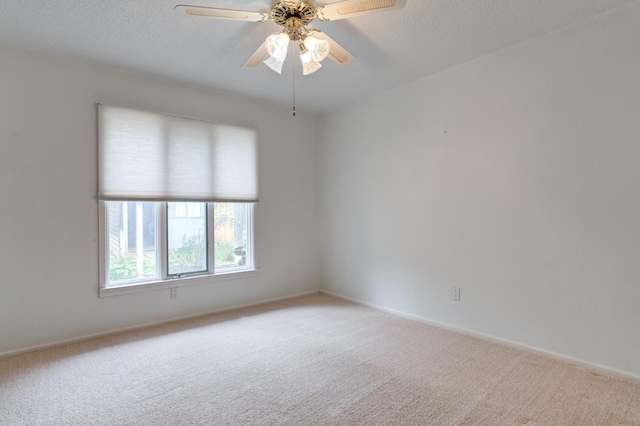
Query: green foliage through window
{"points": [[191, 256], [125, 268], [224, 254]]}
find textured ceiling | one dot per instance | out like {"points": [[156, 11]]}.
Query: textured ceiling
{"points": [[391, 47]]}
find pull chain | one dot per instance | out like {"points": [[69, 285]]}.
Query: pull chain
{"points": [[293, 62]]}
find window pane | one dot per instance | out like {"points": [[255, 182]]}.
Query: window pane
{"points": [[181, 209], [131, 241], [187, 239], [194, 209], [232, 236]]}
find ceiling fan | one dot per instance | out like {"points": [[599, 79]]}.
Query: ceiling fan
{"points": [[294, 16]]}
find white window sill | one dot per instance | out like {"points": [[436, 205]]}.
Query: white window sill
{"points": [[175, 282]]}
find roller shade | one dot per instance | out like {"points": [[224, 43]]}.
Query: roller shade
{"points": [[152, 157]]}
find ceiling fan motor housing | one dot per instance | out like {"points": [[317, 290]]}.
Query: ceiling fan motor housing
{"points": [[303, 12]]}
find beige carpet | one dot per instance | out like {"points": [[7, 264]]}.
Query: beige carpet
{"points": [[309, 361]]}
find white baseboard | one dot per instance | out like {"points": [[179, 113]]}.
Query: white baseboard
{"points": [[150, 324], [568, 359]]}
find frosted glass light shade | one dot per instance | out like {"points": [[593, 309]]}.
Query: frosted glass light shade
{"points": [[309, 66], [276, 46], [318, 49], [274, 63]]}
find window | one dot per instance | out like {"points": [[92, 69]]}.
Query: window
{"points": [[217, 241], [177, 199]]}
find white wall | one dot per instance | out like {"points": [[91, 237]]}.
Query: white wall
{"points": [[515, 177], [49, 216]]}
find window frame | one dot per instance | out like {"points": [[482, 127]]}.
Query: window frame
{"points": [[209, 232], [163, 280]]}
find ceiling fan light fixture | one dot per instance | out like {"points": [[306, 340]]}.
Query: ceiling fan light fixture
{"points": [[276, 46], [294, 16], [309, 66], [318, 49], [274, 63], [312, 52]]}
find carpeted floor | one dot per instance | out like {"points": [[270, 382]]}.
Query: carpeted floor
{"points": [[314, 360]]}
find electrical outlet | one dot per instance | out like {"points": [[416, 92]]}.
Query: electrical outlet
{"points": [[455, 293], [174, 292]]}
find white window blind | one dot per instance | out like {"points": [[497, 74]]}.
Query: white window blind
{"points": [[151, 157]]}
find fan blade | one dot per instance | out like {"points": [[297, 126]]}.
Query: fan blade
{"points": [[337, 53], [213, 12], [256, 57], [351, 8]]}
